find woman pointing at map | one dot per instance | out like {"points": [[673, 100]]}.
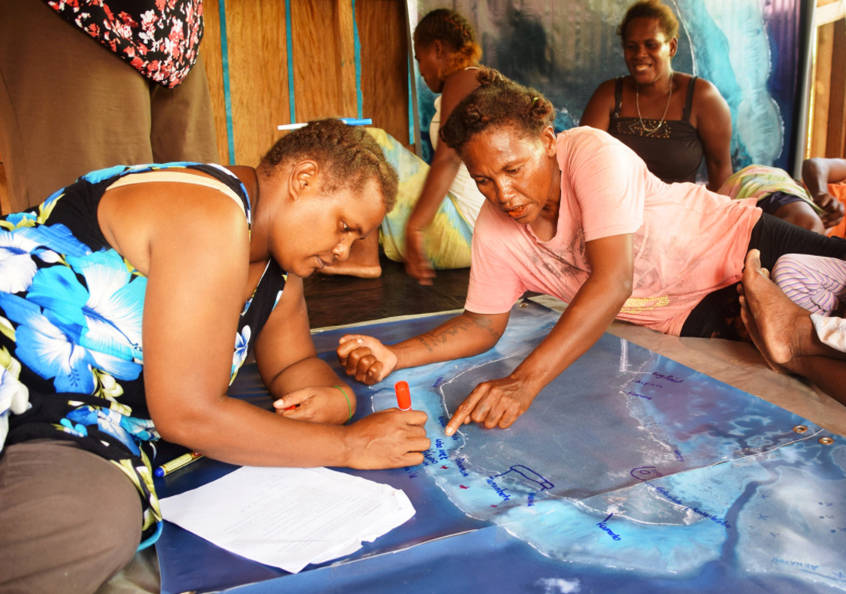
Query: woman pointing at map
{"points": [[580, 217]]}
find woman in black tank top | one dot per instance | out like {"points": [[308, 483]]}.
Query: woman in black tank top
{"points": [[670, 119]]}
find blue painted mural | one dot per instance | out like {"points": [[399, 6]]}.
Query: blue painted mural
{"points": [[749, 49]]}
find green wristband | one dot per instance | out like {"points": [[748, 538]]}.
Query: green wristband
{"points": [[349, 405]]}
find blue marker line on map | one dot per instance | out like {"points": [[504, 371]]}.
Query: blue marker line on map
{"points": [[542, 483], [607, 530]]}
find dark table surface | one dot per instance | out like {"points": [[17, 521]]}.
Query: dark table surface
{"points": [[337, 300]]}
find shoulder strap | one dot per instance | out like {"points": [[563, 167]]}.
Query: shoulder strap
{"points": [[178, 177], [618, 96], [689, 100]]}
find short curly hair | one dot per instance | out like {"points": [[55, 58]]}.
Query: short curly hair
{"points": [[497, 102], [651, 9], [453, 29], [348, 154]]}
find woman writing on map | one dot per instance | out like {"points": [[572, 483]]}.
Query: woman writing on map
{"points": [[580, 217], [128, 303]]}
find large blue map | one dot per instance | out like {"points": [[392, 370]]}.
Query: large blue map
{"points": [[629, 473]]}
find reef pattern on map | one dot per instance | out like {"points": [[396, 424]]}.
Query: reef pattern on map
{"points": [[631, 463]]}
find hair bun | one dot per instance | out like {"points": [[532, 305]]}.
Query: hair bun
{"points": [[498, 101], [488, 77]]}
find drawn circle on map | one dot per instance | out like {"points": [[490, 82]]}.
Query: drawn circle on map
{"points": [[645, 473], [826, 440], [800, 429]]}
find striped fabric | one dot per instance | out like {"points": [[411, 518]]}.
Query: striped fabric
{"points": [[814, 283]]}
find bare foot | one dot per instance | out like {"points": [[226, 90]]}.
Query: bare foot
{"points": [[363, 261], [784, 329], [755, 335]]}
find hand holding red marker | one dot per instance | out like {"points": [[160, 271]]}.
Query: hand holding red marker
{"points": [[403, 395]]}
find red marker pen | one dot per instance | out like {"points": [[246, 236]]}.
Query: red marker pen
{"points": [[403, 395]]}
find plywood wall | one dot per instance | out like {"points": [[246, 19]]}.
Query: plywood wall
{"points": [[827, 129], [323, 52], [5, 204], [384, 64]]}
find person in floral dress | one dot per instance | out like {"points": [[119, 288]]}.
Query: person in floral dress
{"points": [[88, 84], [128, 303]]}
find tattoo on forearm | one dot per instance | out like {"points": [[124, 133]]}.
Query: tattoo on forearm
{"points": [[440, 336]]}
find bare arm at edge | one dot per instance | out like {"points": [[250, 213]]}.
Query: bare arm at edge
{"points": [[442, 172], [597, 114], [713, 123], [817, 173]]}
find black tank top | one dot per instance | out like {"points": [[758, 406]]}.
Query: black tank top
{"points": [[673, 152]]}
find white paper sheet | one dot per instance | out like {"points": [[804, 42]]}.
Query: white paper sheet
{"points": [[289, 517]]}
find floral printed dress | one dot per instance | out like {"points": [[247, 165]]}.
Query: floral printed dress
{"points": [[159, 38], [71, 349]]}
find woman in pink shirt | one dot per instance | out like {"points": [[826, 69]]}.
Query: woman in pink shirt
{"points": [[579, 216]]}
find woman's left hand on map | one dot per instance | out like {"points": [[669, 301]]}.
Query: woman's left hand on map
{"points": [[315, 404]]}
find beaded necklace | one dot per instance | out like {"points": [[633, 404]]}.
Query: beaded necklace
{"points": [[637, 103]]}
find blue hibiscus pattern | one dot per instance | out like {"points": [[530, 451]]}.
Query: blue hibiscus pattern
{"points": [[242, 345], [71, 313], [66, 329]]}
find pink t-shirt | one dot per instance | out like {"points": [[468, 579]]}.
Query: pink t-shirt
{"points": [[688, 242]]}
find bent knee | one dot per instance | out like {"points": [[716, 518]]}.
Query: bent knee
{"points": [[71, 520]]}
